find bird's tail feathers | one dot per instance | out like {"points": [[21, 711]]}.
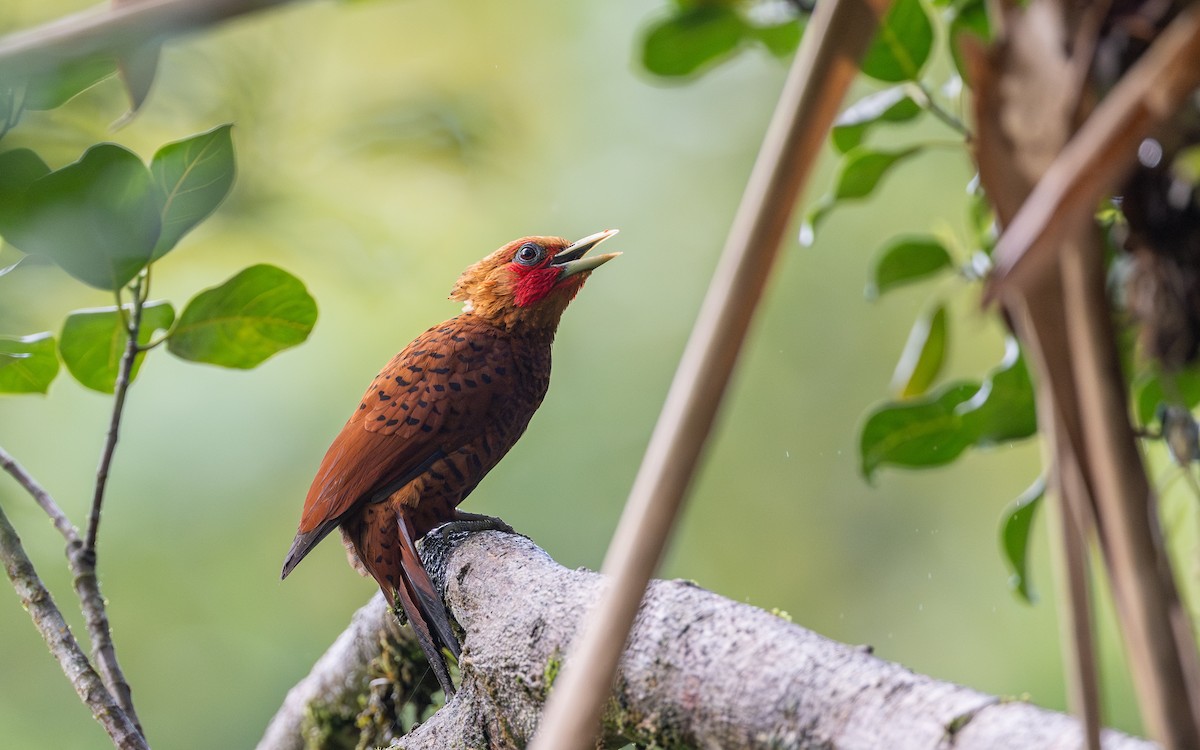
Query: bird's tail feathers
{"points": [[303, 544]]}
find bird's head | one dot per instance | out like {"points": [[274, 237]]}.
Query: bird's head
{"points": [[530, 281]]}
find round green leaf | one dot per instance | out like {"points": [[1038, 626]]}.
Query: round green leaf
{"points": [[96, 218], [191, 178], [1014, 537], [923, 355], [923, 432], [258, 312], [28, 364], [692, 39], [905, 260], [902, 44], [890, 105], [93, 342]]}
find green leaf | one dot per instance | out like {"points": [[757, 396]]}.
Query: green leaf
{"points": [[968, 17], [924, 432], [96, 218], [859, 173], [693, 39], [890, 105], [19, 169], [138, 66], [981, 219], [902, 45], [191, 178], [780, 39], [1149, 393], [28, 364], [258, 312], [1004, 409], [1014, 537], [905, 260], [923, 355], [56, 87], [935, 429], [93, 342]]}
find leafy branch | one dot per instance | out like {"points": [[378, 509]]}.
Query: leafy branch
{"points": [[105, 220]]}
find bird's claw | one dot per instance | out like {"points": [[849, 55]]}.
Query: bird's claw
{"points": [[467, 523]]}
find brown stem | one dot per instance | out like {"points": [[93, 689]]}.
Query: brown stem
{"points": [[133, 325], [83, 555], [62, 644]]}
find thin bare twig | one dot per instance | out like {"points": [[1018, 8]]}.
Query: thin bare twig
{"points": [[62, 644], [133, 325], [937, 110], [40, 496], [824, 67]]}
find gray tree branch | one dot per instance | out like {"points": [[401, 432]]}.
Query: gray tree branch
{"points": [[62, 644], [699, 671], [109, 30]]}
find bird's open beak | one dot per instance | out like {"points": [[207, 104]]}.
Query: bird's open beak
{"points": [[571, 261]]}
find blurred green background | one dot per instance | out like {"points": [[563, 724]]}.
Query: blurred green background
{"points": [[382, 147]]}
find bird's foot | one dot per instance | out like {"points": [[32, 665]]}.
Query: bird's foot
{"points": [[472, 522]]}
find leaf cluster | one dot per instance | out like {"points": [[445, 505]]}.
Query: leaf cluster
{"points": [[927, 421], [106, 219]]}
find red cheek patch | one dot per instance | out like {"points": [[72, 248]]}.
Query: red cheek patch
{"points": [[534, 285]]}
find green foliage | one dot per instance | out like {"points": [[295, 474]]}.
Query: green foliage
{"points": [[105, 217], [890, 105], [1014, 537], [858, 175], [935, 429], [19, 169], [902, 45], [191, 178], [695, 37], [96, 218], [93, 341], [27, 364], [928, 425], [923, 355], [1155, 388], [905, 260], [685, 43], [55, 87], [966, 18], [929, 431], [257, 313], [1004, 409]]}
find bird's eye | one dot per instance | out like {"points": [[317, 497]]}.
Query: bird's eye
{"points": [[530, 254]]}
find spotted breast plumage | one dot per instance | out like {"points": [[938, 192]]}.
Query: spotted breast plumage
{"points": [[437, 418]]}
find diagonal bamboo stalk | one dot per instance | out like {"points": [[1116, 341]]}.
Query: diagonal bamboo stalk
{"points": [[824, 67], [1050, 248]]}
